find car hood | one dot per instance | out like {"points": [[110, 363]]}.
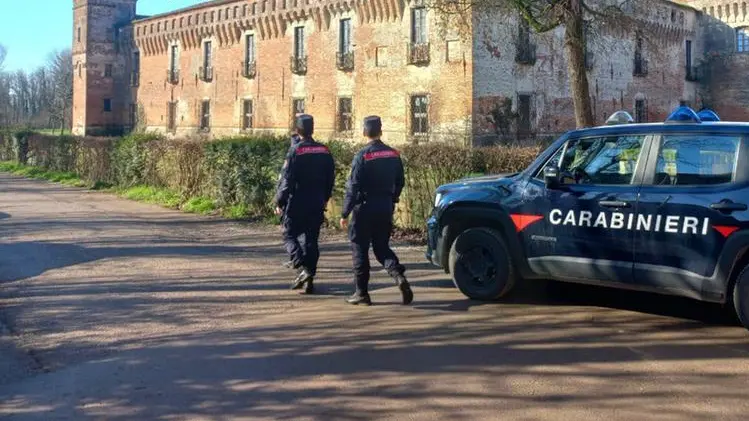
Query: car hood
{"points": [[476, 181]]}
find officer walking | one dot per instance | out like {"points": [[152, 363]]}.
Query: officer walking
{"points": [[373, 189], [303, 193]]}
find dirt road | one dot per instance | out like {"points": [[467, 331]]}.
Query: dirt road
{"points": [[116, 310]]}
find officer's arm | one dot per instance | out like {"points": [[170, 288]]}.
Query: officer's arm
{"points": [[286, 184], [330, 180], [353, 186], [400, 181]]}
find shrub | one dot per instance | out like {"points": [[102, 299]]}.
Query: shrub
{"points": [[238, 175], [245, 170]]}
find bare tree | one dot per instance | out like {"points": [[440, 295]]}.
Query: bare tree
{"points": [[61, 98], [4, 89], [39, 98], [544, 16]]}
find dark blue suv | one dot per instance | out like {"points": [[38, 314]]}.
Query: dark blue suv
{"points": [[653, 207]]}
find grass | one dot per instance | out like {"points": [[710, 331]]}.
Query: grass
{"points": [[155, 195], [236, 212], [53, 132], [66, 178], [147, 194], [200, 204]]}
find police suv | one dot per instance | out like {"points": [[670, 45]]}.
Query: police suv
{"points": [[653, 207]]}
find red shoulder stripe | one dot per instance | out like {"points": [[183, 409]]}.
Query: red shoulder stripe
{"points": [[304, 150], [381, 154]]}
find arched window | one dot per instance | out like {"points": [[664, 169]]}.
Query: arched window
{"points": [[742, 39]]}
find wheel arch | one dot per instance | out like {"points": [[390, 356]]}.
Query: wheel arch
{"points": [[461, 216]]}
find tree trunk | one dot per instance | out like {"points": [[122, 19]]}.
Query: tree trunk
{"points": [[574, 46]]}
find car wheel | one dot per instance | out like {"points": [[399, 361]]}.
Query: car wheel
{"points": [[481, 265], [741, 297]]}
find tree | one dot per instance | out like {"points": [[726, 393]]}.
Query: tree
{"points": [[38, 98], [547, 15], [61, 98], [4, 89]]}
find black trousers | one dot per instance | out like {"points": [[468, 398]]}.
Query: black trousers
{"points": [[304, 253], [372, 228]]}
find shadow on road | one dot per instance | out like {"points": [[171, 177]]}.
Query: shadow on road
{"points": [[248, 354], [292, 369]]}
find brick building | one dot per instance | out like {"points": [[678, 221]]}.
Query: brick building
{"points": [[229, 66], [726, 67]]}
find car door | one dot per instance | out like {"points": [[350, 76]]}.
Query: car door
{"points": [[691, 201], [581, 227]]}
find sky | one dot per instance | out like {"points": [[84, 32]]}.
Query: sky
{"points": [[31, 29]]}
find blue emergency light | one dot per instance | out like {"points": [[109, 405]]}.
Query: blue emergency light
{"points": [[708, 115], [683, 114]]}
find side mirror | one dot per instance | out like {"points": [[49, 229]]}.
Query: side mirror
{"points": [[551, 177]]}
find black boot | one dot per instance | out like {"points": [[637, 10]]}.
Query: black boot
{"points": [[359, 298], [310, 288], [406, 293], [301, 279]]}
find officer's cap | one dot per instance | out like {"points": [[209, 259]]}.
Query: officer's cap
{"points": [[305, 125], [372, 126]]}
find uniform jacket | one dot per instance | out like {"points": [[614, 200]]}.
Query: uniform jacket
{"points": [[376, 179], [307, 178]]}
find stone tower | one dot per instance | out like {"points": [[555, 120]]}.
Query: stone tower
{"points": [[101, 76]]}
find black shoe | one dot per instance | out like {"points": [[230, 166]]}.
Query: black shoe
{"points": [[359, 298], [310, 288], [300, 280], [406, 293]]}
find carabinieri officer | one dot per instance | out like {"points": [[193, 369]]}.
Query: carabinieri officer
{"points": [[373, 189], [306, 186]]}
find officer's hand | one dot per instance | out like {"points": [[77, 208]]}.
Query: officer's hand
{"points": [[278, 211], [344, 223]]}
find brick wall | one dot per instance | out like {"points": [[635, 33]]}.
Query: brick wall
{"points": [[476, 88], [499, 80], [728, 83], [94, 55], [381, 82]]}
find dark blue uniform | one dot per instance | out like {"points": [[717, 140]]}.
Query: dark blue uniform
{"points": [[373, 189], [306, 186]]}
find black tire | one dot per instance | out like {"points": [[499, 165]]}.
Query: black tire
{"points": [[481, 265], [741, 297]]}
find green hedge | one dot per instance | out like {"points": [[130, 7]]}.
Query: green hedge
{"points": [[239, 174]]}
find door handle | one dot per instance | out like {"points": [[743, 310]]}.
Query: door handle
{"points": [[727, 206], [614, 204]]}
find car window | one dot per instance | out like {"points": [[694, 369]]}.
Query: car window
{"points": [[606, 160], [696, 159]]}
